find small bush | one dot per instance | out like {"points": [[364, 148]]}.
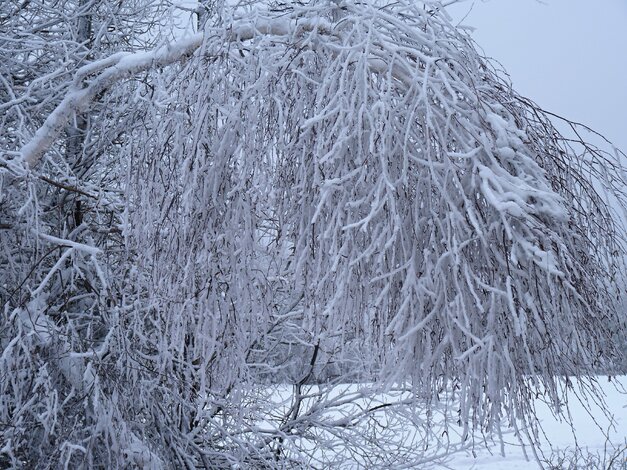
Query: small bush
{"points": [[611, 458]]}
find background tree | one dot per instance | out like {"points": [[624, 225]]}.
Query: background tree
{"points": [[318, 195]]}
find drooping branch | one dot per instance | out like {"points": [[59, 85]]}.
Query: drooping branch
{"points": [[98, 76]]}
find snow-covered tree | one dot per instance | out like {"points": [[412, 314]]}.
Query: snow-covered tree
{"points": [[344, 197]]}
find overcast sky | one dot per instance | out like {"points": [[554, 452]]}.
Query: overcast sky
{"points": [[570, 56]]}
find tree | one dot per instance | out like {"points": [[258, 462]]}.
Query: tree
{"points": [[343, 197]]}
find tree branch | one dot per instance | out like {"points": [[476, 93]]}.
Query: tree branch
{"points": [[79, 98]]}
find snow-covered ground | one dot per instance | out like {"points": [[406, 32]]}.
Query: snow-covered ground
{"points": [[598, 436], [587, 434]]}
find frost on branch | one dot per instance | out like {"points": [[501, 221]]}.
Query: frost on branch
{"points": [[322, 195]]}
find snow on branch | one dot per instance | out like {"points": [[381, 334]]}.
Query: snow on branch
{"points": [[98, 76], [81, 93]]}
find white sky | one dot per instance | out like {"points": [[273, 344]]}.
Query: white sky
{"points": [[569, 56]]}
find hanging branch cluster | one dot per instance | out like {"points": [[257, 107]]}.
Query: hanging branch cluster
{"points": [[313, 195]]}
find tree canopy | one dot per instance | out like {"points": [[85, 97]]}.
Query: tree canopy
{"points": [[317, 194]]}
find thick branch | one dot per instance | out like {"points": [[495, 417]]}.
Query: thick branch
{"points": [[120, 65], [79, 98]]}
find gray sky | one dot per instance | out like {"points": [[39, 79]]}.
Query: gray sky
{"points": [[569, 56]]}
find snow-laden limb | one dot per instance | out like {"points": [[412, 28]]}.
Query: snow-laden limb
{"points": [[109, 71], [98, 76]]}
